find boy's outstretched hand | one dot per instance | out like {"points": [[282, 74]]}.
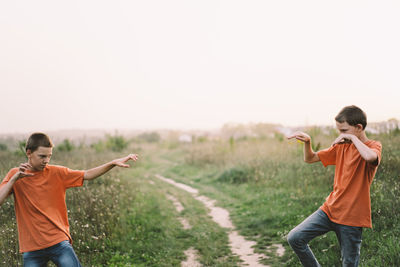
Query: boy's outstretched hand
{"points": [[303, 137], [100, 170], [121, 162]]}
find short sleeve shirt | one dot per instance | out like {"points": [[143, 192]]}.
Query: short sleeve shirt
{"points": [[349, 203], [40, 206]]}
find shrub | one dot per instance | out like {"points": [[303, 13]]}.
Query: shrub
{"points": [[21, 149], [66, 145], [116, 143], [237, 175], [3, 147], [100, 146]]}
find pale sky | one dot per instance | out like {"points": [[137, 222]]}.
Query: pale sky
{"points": [[195, 64]]}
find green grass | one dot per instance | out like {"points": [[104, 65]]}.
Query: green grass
{"points": [[269, 190], [121, 219]]}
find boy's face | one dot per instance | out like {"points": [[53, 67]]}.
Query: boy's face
{"points": [[39, 158], [345, 128]]}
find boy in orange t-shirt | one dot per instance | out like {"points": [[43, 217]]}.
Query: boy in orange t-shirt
{"points": [[348, 207], [40, 207]]}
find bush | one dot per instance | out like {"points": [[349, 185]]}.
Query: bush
{"points": [[21, 149], [237, 175], [116, 143], [100, 146], [3, 147], [66, 145]]}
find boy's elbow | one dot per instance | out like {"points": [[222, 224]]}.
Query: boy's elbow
{"points": [[373, 159], [86, 176], [312, 159], [307, 160]]}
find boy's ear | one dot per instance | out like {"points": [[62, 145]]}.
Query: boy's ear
{"points": [[28, 152], [359, 127]]}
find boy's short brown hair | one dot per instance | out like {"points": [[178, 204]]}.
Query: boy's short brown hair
{"points": [[36, 140], [353, 115]]}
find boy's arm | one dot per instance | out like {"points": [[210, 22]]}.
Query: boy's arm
{"points": [[366, 153], [6, 189], [309, 155], [100, 170]]}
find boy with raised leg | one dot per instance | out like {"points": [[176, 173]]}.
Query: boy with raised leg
{"points": [[348, 207]]}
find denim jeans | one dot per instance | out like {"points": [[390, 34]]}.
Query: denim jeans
{"points": [[318, 224], [62, 254]]}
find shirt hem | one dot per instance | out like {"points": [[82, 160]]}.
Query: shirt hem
{"points": [[343, 223], [65, 238]]}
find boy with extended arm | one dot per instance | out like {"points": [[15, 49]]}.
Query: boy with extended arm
{"points": [[39, 192], [348, 207]]}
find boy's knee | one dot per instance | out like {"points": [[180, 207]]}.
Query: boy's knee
{"points": [[296, 239], [292, 237]]}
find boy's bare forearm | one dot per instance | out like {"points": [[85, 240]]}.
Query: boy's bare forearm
{"points": [[309, 155], [366, 153], [98, 171], [21, 173], [6, 189]]}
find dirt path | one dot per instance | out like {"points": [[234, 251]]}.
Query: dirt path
{"points": [[239, 245], [191, 259]]}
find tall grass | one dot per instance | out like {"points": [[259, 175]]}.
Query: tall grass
{"points": [[269, 190], [122, 220]]}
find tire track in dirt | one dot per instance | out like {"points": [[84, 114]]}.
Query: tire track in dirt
{"points": [[191, 258], [191, 253], [239, 245], [179, 208]]}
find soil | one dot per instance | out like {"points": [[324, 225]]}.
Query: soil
{"points": [[239, 245]]}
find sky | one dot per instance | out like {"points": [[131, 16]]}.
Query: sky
{"points": [[195, 64]]}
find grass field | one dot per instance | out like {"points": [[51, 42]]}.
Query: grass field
{"points": [[269, 190], [125, 219]]}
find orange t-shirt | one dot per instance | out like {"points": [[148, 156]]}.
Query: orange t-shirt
{"points": [[40, 206], [349, 203]]}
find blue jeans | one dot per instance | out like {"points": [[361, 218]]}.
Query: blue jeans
{"points": [[318, 224], [62, 254]]}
